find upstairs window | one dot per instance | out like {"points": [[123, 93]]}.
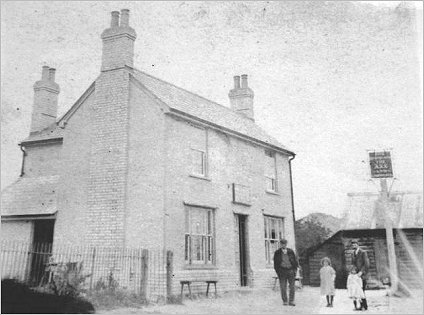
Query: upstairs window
{"points": [[270, 171], [274, 231], [198, 152], [198, 162]]}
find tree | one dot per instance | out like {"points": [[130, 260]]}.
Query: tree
{"points": [[309, 233]]}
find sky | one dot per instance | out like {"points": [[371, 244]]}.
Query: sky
{"points": [[331, 79]]}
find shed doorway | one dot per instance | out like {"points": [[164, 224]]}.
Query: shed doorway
{"points": [[41, 248]]}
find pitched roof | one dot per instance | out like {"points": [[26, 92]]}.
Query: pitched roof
{"points": [[51, 132], [180, 100], [406, 210], [30, 196]]}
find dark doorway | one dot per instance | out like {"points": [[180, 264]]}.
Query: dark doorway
{"points": [[41, 248], [242, 226]]}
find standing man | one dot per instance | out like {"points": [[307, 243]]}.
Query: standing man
{"points": [[361, 262], [285, 265]]}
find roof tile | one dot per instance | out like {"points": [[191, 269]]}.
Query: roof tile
{"points": [[30, 196], [197, 106]]}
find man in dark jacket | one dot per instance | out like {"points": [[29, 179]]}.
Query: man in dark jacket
{"points": [[285, 265], [361, 262]]}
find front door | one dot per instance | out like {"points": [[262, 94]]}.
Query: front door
{"points": [[243, 253]]}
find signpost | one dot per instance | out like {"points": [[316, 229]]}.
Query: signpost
{"points": [[381, 167]]}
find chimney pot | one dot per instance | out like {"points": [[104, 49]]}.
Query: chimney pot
{"points": [[241, 99], [119, 52], [52, 72], [45, 73], [244, 81], [125, 17], [114, 22], [236, 81]]}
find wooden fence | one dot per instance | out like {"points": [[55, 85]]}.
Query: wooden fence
{"points": [[144, 272]]}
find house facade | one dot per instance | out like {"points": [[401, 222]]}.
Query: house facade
{"points": [[137, 161]]}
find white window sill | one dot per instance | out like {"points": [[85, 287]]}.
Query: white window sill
{"points": [[272, 192], [200, 177], [242, 203]]}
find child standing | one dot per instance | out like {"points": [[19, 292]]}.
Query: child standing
{"points": [[327, 276], [354, 288]]}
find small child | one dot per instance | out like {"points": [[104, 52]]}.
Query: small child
{"points": [[354, 288], [327, 276]]}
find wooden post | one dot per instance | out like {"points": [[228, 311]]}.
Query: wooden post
{"points": [[169, 273], [144, 273], [384, 203], [92, 268]]}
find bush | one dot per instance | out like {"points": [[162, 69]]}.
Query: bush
{"points": [[68, 280], [111, 284], [18, 298]]}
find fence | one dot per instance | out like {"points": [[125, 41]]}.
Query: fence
{"points": [[144, 272]]}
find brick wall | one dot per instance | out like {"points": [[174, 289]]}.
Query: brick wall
{"points": [[145, 208], [117, 52], [42, 160], [108, 159], [72, 200]]}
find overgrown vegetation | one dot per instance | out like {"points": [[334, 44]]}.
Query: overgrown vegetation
{"points": [[107, 294], [68, 280]]}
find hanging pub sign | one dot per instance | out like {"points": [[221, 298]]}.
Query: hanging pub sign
{"points": [[381, 164]]}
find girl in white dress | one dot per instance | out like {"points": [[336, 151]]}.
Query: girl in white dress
{"points": [[354, 288], [327, 276]]}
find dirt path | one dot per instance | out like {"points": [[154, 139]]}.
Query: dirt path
{"points": [[308, 301]]}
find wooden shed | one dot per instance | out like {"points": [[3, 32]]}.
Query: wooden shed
{"points": [[408, 247]]}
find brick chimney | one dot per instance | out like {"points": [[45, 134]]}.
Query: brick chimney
{"points": [[109, 150], [118, 42], [241, 97], [46, 92]]}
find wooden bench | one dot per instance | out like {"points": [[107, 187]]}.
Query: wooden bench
{"points": [[186, 282]]}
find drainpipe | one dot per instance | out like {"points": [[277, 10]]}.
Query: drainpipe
{"points": [[23, 159], [292, 197]]}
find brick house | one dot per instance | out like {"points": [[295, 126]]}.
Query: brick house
{"points": [[137, 161]]}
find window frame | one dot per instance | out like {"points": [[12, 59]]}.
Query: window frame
{"points": [[208, 239], [204, 155], [269, 250], [271, 178], [203, 162]]}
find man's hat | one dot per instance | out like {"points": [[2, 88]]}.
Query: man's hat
{"points": [[283, 241], [354, 241]]}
